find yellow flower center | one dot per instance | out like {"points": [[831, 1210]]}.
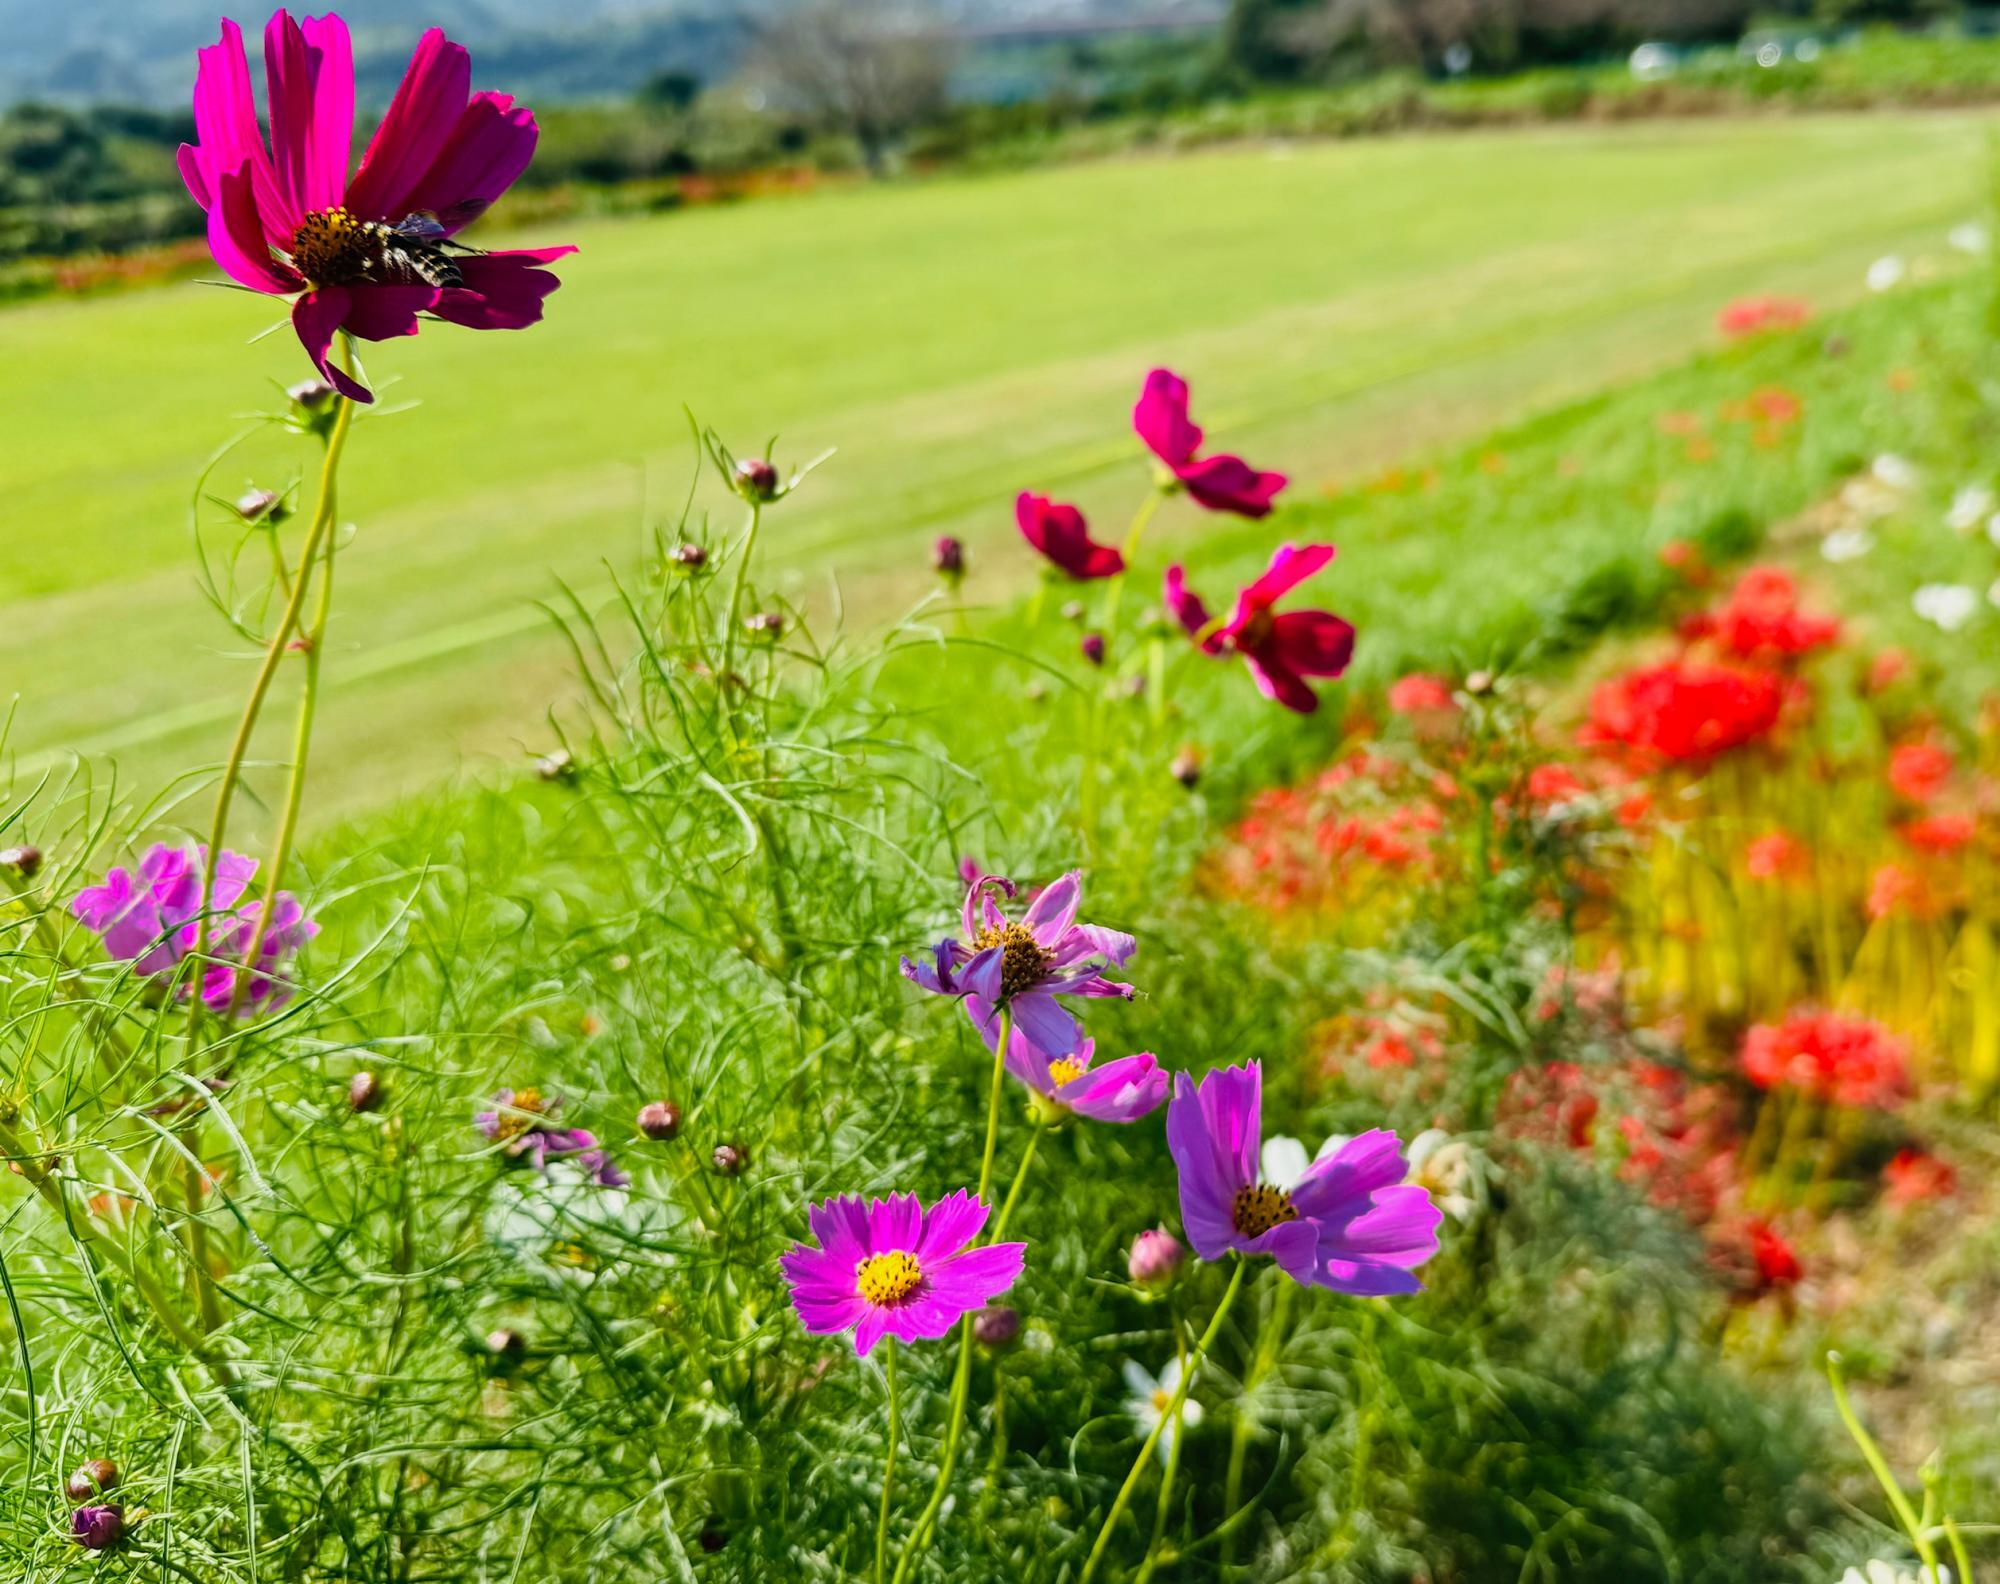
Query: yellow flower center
{"points": [[331, 246], [888, 1278], [1162, 1401], [1259, 1207], [1023, 961], [1065, 1070], [523, 1112], [335, 247]]}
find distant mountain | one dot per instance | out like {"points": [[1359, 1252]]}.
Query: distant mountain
{"points": [[141, 51]]}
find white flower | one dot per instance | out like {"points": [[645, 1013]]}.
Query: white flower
{"points": [[1284, 1160], [1151, 1398], [1885, 272], [1969, 237], [1946, 605], [1969, 507], [1847, 544], [1880, 1572], [1451, 1171], [1898, 473]]}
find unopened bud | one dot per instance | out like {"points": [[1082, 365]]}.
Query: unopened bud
{"points": [[311, 394], [688, 557], [756, 479], [364, 1092], [254, 505], [765, 624], [97, 1528], [505, 1348], [996, 1326], [659, 1120], [1093, 648], [1186, 767], [24, 861], [1479, 683], [92, 1478], [556, 766], [1156, 1255], [730, 1159], [1072, 610]]}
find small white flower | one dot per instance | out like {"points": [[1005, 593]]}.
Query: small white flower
{"points": [[1150, 1398], [1945, 605], [1969, 508], [1284, 1160], [1880, 1572], [1898, 473], [1969, 236], [1847, 544], [1451, 1171], [1885, 272]]}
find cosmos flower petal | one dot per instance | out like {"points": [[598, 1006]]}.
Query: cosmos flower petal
{"points": [[331, 56], [315, 317], [502, 291], [1401, 1229], [981, 975], [1051, 914], [1313, 643], [876, 1323], [429, 101], [1364, 1280], [1290, 566], [896, 1222], [1161, 418], [1278, 682], [376, 313], [1341, 1183], [235, 237], [1120, 1091], [950, 1224], [841, 1227], [977, 1276], [1042, 1021], [1228, 483], [1206, 1182], [823, 1313], [489, 147], [1186, 607]]}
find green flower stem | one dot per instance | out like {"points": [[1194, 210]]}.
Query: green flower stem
{"points": [[733, 618], [1172, 1412], [962, 1376], [1878, 1465], [1266, 1359], [1014, 1193], [1165, 1507], [888, 1466]]}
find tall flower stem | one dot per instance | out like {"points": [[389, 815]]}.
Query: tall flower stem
{"points": [[961, 1379], [1165, 1507], [1172, 1413], [733, 618], [1878, 1465], [888, 1467], [274, 651], [1014, 1192]]}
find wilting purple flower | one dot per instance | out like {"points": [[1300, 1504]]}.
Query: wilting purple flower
{"points": [[97, 1528], [891, 1267], [1282, 649], [366, 255], [1025, 965], [1221, 483], [1350, 1222], [522, 1122], [1156, 1255], [150, 917], [1123, 1090], [1059, 532]]}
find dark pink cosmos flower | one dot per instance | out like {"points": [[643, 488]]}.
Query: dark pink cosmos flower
{"points": [[1282, 649], [365, 255], [1060, 533], [1221, 483], [1350, 1222]]}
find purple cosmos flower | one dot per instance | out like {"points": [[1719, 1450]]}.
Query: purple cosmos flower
{"points": [[891, 1267], [97, 1528], [366, 255], [1221, 483], [1282, 650], [1025, 965], [522, 1122], [1060, 533], [1120, 1091], [1349, 1222], [150, 917]]}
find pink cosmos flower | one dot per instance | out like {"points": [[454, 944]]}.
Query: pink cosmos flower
{"points": [[1350, 1222], [1025, 965], [1282, 650], [1123, 1090], [150, 917], [369, 254], [1221, 483], [889, 1267], [1060, 533], [522, 1122]]}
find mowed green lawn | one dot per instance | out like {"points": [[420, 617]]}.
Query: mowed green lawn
{"points": [[1334, 305]]}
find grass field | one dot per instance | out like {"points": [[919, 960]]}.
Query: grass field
{"points": [[1425, 288]]}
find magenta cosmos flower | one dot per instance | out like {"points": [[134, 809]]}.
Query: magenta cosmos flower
{"points": [[1061, 535], [522, 1122], [1221, 483], [1282, 648], [366, 255], [1025, 965], [150, 917], [889, 1267], [1122, 1090], [1350, 1223]]}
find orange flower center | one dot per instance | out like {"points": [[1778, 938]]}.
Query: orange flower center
{"points": [[524, 1111], [333, 247], [888, 1278], [1023, 961], [1259, 1207]]}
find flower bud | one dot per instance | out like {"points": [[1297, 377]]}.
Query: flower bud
{"points": [[91, 1478], [948, 557], [364, 1092], [765, 624], [1186, 766], [688, 557], [712, 1538], [756, 480], [254, 505], [1093, 648], [1072, 610], [24, 861], [556, 766], [730, 1159], [97, 1528], [505, 1348], [996, 1326], [659, 1120], [311, 394], [1479, 683], [1156, 1255]]}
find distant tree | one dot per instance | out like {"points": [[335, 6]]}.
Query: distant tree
{"points": [[872, 69], [671, 90]]}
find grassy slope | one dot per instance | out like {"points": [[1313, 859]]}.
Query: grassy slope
{"points": [[1334, 304]]}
